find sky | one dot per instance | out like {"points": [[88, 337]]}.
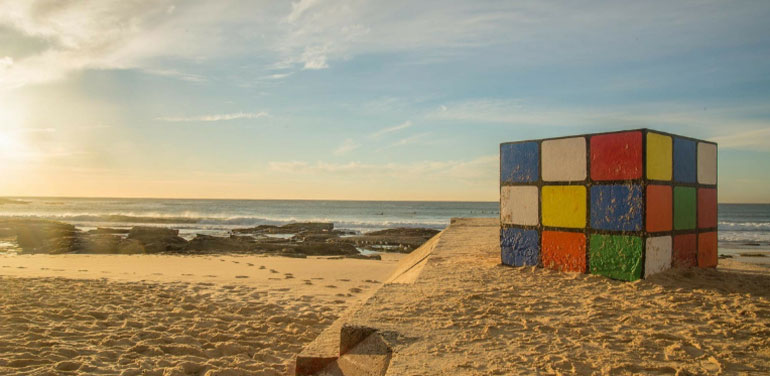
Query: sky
{"points": [[363, 100]]}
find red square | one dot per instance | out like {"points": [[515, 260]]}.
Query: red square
{"points": [[707, 250], [564, 251], [707, 208], [685, 251], [659, 212], [616, 156]]}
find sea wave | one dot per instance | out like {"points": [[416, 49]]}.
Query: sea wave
{"points": [[744, 226], [227, 221]]}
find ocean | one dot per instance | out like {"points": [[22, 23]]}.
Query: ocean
{"points": [[740, 225]]}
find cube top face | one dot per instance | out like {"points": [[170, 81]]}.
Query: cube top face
{"points": [[625, 204]]}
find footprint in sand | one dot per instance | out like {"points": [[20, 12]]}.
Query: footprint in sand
{"points": [[371, 281], [261, 267], [273, 271], [344, 280], [82, 270], [288, 276], [221, 260], [6, 266], [157, 273], [317, 278], [274, 279], [249, 264], [331, 286], [241, 276], [355, 290], [210, 276], [187, 274], [236, 262], [43, 268], [21, 267], [308, 282]]}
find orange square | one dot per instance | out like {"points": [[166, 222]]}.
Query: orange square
{"points": [[707, 250], [659, 211], [564, 251]]}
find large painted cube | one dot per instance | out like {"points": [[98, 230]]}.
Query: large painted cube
{"points": [[625, 205]]}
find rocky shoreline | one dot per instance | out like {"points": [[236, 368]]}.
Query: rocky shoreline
{"points": [[291, 240]]}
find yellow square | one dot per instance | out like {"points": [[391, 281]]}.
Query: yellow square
{"points": [[564, 206], [659, 158]]}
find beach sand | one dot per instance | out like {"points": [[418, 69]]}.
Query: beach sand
{"points": [[171, 315], [459, 311]]}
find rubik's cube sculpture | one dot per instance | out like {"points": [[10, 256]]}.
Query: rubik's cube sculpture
{"points": [[624, 204]]}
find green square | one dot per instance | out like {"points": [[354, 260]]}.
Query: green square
{"points": [[616, 256], [684, 208]]}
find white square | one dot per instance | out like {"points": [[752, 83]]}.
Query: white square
{"points": [[658, 257], [707, 163], [519, 205], [564, 159]]}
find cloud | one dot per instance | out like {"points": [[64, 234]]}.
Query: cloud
{"points": [[394, 128], [409, 140], [481, 170], [219, 117], [347, 146], [298, 8], [754, 139]]}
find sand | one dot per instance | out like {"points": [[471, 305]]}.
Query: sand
{"points": [[467, 314], [171, 315]]}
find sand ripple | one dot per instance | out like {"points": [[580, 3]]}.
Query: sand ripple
{"points": [[67, 326]]}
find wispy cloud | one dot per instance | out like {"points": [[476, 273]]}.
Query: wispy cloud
{"points": [[347, 146], [480, 170], [219, 117], [394, 128], [409, 140], [755, 139]]}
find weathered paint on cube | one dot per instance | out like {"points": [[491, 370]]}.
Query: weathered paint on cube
{"points": [[519, 205], [684, 208], [616, 156], [519, 163], [707, 207], [659, 208], [707, 249], [564, 251], [616, 256], [659, 152], [520, 247], [685, 251], [684, 160], [657, 255], [564, 206], [617, 207], [707, 163], [564, 159]]}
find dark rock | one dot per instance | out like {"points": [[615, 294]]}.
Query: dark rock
{"points": [[208, 243], [106, 230], [365, 257], [291, 228], [158, 239], [405, 232]]}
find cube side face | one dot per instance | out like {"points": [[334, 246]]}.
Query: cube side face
{"points": [[616, 256], [519, 205], [520, 163], [564, 159], [617, 207], [564, 251], [616, 156], [658, 255], [520, 247], [625, 205]]}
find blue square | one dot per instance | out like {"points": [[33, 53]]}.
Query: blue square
{"points": [[684, 160], [617, 207], [519, 247], [519, 163]]}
